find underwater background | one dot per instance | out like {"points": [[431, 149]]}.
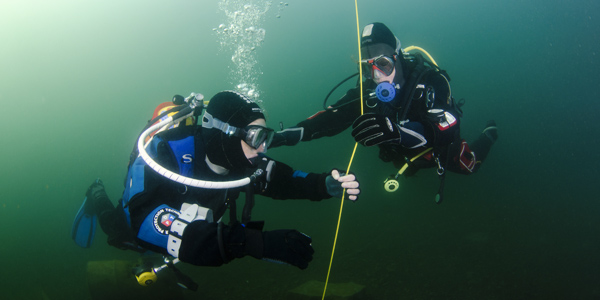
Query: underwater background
{"points": [[79, 79]]}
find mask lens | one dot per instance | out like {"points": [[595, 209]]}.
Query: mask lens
{"points": [[385, 64], [258, 135], [269, 139]]}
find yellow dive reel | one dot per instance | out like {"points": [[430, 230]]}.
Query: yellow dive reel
{"points": [[146, 274]]}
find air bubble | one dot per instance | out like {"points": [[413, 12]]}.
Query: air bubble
{"points": [[243, 35]]}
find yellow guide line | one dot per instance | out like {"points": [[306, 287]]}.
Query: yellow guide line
{"points": [[351, 158]]}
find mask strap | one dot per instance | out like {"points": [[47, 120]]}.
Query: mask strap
{"points": [[398, 46], [212, 122]]}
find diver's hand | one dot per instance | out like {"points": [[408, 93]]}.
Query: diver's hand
{"points": [[287, 137], [373, 129], [288, 246], [285, 246], [336, 183]]}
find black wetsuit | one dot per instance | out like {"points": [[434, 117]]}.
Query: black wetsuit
{"points": [[421, 129]]}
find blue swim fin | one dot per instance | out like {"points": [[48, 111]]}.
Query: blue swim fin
{"points": [[84, 225]]}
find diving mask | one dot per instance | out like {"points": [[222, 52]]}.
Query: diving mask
{"points": [[381, 63], [256, 136]]}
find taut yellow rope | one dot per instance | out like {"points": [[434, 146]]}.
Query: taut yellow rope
{"points": [[337, 229]]}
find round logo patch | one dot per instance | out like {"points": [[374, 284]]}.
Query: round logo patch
{"points": [[163, 219]]}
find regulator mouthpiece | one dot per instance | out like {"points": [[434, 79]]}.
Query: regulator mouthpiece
{"points": [[385, 91]]}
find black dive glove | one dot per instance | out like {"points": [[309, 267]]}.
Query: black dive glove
{"points": [[286, 246], [287, 137], [213, 244], [372, 129]]}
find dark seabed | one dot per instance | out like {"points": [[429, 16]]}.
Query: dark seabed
{"points": [[79, 79]]}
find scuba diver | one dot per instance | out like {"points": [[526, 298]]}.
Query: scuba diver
{"points": [[181, 181], [410, 113]]}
